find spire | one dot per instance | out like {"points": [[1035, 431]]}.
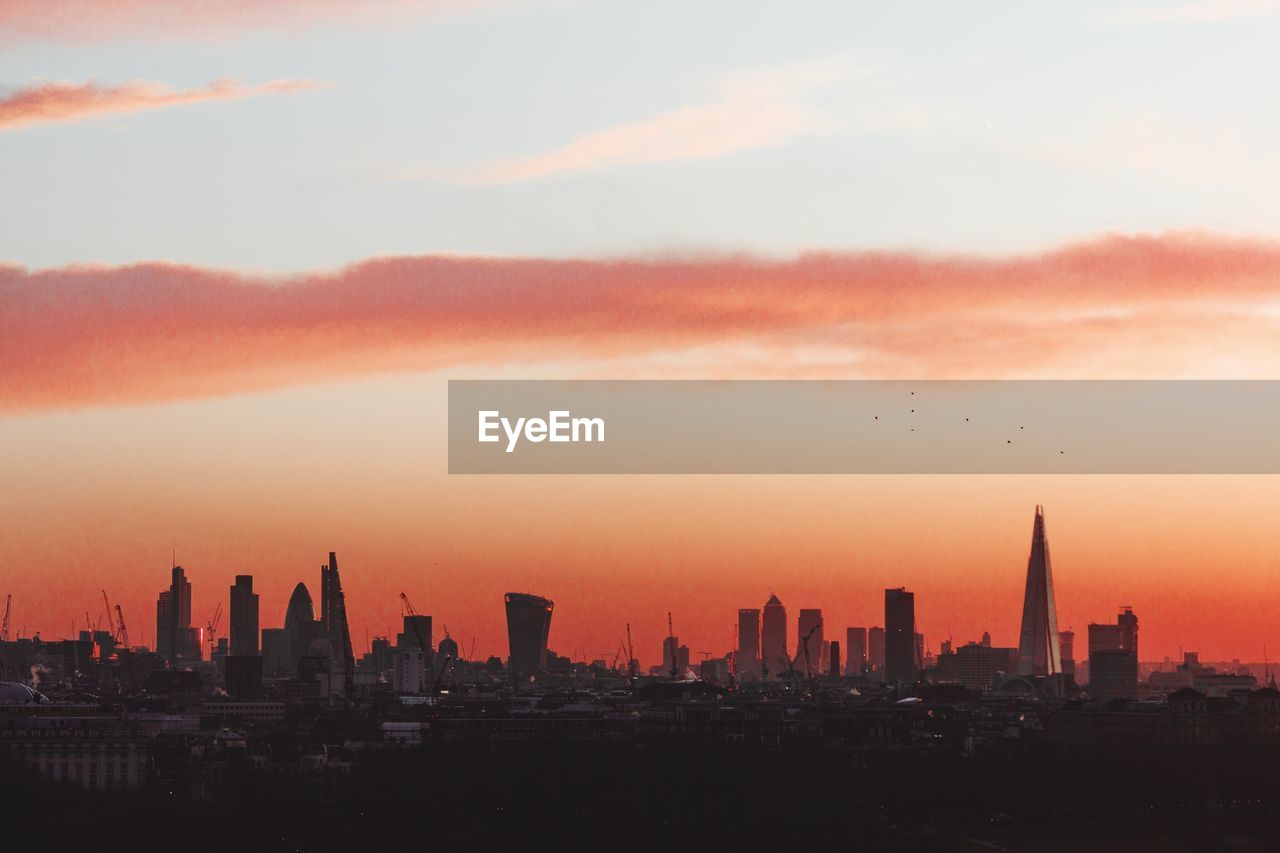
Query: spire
{"points": [[1038, 646]]}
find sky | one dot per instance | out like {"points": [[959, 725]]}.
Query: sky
{"points": [[243, 247]]}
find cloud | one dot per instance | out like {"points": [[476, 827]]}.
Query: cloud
{"points": [[80, 21], [62, 102], [1193, 11], [749, 111], [1176, 305]]}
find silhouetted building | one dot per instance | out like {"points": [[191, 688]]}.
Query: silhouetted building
{"points": [[300, 625], [164, 625], [1113, 658], [1122, 636], [773, 638], [675, 658], [855, 650], [1113, 674], [417, 632], [410, 672], [899, 636], [1038, 649], [833, 659], [321, 672], [1067, 646], [333, 616], [746, 661], [809, 636], [875, 648], [528, 627], [244, 617], [276, 654], [977, 666], [244, 676], [180, 645]]}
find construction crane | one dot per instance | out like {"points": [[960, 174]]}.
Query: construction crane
{"points": [[423, 642], [444, 669], [111, 626], [804, 644], [631, 654], [4, 626], [212, 627], [808, 669], [122, 633]]}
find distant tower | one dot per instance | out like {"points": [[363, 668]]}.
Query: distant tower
{"points": [[875, 648], [899, 636], [773, 637], [1067, 643], [244, 617], [300, 625], [856, 650], [746, 661], [528, 628], [333, 616], [164, 625], [180, 618], [1039, 651]]}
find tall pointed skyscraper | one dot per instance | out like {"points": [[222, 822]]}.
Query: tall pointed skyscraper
{"points": [[333, 616], [1038, 649]]}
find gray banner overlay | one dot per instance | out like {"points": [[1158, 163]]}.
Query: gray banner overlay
{"points": [[864, 427]]}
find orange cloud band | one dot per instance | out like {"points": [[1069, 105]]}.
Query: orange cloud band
{"points": [[50, 102], [1132, 306]]}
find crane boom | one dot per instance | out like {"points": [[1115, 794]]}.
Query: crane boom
{"points": [[123, 639], [111, 626], [631, 653], [423, 642]]}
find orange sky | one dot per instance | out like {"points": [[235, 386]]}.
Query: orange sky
{"points": [[258, 425]]}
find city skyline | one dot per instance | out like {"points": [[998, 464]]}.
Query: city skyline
{"points": [[775, 624], [246, 251]]}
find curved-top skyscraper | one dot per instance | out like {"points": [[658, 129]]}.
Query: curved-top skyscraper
{"points": [[300, 624], [528, 626], [1038, 649]]}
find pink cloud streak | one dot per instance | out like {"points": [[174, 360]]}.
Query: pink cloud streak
{"points": [[62, 102], [1140, 306]]}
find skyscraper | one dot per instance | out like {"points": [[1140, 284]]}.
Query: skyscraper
{"points": [[300, 626], [855, 650], [528, 627], [899, 636], [810, 629], [333, 616], [418, 632], [875, 648], [675, 657], [1113, 658], [746, 661], [1067, 645], [180, 617], [773, 638], [164, 625], [1039, 652], [244, 617]]}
